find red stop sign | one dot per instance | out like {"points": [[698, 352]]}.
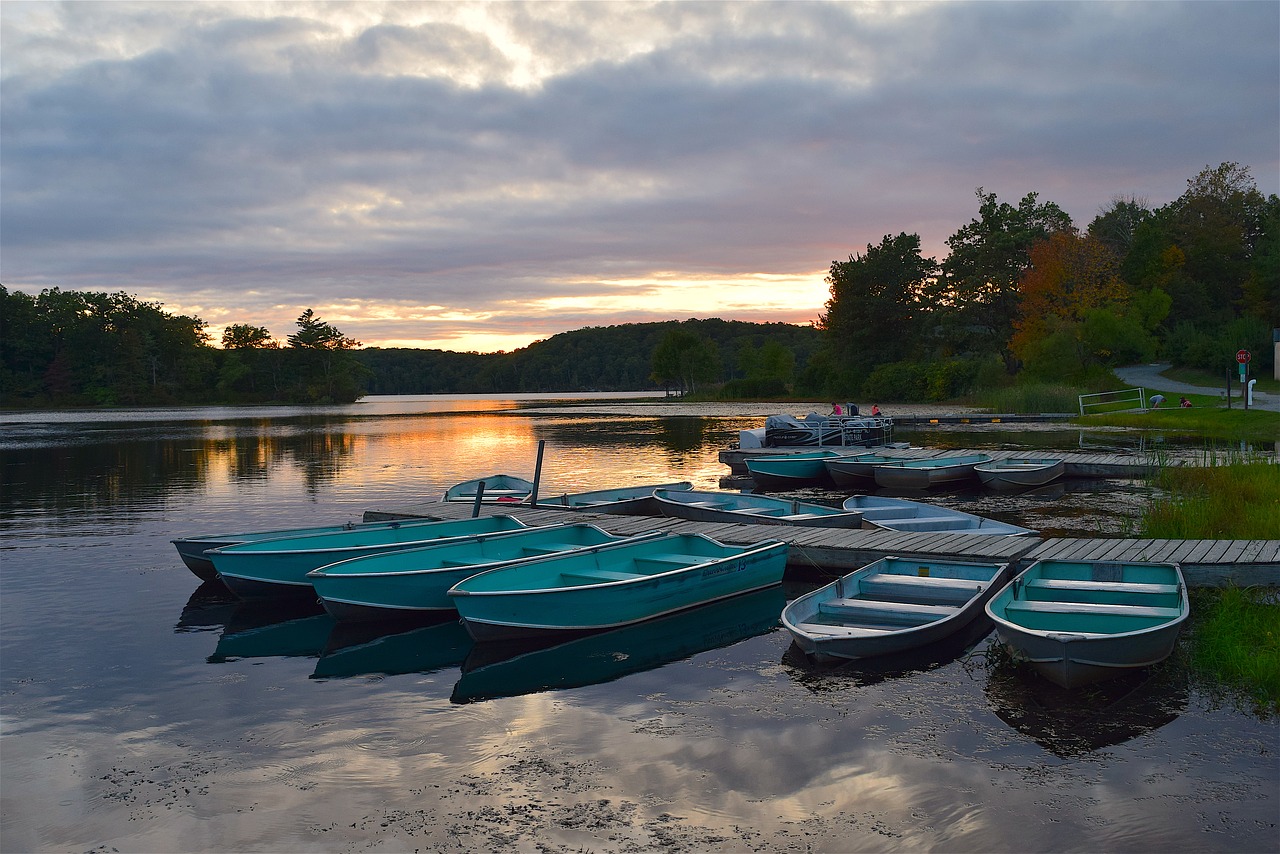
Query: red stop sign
{"points": [[1242, 356]]}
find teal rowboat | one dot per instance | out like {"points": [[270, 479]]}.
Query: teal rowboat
{"points": [[192, 549], [1080, 622], [856, 471], [279, 567], [415, 582], [737, 507], [1020, 473], [899, 514], [624, 500], [498, 489], [613, 587], [787, 471], [934, 471], [890, 606]]}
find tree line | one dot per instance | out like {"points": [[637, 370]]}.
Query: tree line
{"points": [[1022, 295]]}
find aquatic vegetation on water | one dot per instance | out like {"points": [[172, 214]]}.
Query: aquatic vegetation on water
{"points": [[1235, 643]]}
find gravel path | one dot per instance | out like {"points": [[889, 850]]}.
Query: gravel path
{"points": [[1149, 376]]}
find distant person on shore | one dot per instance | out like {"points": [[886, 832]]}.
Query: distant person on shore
{"points": [[1156, 400], [1184, 403], [835, 409], [875, 409]]}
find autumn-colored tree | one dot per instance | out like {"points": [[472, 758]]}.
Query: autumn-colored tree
{"points": [[979, 291], [1075, 309]]}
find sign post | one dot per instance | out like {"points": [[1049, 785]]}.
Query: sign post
{"points": [[1242, 358]]}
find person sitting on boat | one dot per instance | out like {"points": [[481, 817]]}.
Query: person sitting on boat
{"points": [[1184, 403], [835, 409], [875, 409]]}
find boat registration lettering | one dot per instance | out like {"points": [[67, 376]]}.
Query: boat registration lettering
{"points": [[724, 568]]}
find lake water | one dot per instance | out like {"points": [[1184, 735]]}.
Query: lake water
{"points": [[145, 712]]}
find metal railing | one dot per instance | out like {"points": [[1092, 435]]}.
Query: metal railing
{"points": [[1116, 400]]}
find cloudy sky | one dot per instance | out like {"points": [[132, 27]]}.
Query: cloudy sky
{"points": [[476, 176]]}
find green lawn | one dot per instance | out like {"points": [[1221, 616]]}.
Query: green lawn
{"points": [[1207, 417]]}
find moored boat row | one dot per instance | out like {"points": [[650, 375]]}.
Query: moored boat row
{"points": [[1076, 623], [861, 469], [504, 578]]}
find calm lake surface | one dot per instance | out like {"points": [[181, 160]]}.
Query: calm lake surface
{"points": [[145, 712]]}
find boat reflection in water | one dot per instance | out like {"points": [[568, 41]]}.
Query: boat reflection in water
{"points": [[370, 649], [820, 677], [209, 609], [508, 669], [1073, 722], [274, 629]]}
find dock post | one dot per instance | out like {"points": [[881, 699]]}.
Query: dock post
{"points": [[537, 473], [475, 508]]}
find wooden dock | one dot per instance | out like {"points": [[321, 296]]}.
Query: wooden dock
{"points": [[833, 551]]}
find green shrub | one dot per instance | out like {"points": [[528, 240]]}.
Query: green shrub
{"points": [[767, 387]]}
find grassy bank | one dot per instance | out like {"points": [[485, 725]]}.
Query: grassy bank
{"points": [[1206, 417], [1234, 640], [1235, 500], [1234, 644]]}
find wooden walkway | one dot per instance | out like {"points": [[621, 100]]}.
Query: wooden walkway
{"points": [[1205, 563], [1078, 463]]}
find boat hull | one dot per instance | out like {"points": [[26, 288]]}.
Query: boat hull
{"points": [[791, 470], [415, 582], [736, 508], [856, 471], [1078, 623], [1019, 474], [625, 501], [890, 606], [192, 549], [498, 489], [591, 592], [279, 567], [924, 474], [900, 514]]}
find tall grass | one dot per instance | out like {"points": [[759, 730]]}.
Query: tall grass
{"points": [[1029, 398], [1235, 642], [1235, 499]]}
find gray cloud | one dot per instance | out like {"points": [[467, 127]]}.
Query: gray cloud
{"points": [[241, 157]]}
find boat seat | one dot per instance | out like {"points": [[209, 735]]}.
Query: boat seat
{"points": [[1089, 608], [677, 559], [842, 631], [919, 588], [926, 523], [886, 612], [457, 562], [1112, 586], [594, 576], [758, 511]]}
